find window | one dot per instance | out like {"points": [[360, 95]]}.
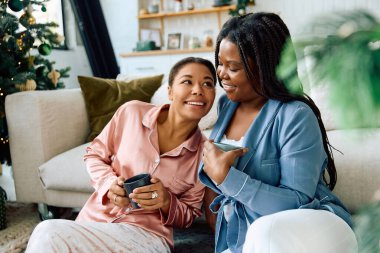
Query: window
{"points": [[53, 13]]}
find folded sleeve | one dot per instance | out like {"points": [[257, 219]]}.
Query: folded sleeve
{"points": [[185, 208]]}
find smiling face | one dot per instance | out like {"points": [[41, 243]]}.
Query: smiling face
{"points": [[192, 92], [232, 74]]}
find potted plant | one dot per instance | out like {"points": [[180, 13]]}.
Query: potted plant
{"points": [[346, 58]]}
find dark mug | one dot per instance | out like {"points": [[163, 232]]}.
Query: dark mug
{"points": [[228, 147], [135, 182]]}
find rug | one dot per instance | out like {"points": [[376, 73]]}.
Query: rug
{"points": [[197, 238], [21, 220]]}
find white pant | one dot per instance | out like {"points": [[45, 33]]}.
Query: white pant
{"points": [[300, 231], [61, 236]]}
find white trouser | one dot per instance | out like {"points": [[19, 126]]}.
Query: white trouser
{"points": [[300, 231], [66, 236]]}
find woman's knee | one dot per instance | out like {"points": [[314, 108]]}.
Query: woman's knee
{"points": [[47, 230], [263, 236], [45, 227], [290, 231]]}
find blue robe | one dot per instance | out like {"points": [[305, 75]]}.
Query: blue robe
{"points": [[282, 169]]}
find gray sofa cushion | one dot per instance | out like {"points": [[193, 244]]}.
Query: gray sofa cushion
{"points": [[358, 166], [66, 172]]}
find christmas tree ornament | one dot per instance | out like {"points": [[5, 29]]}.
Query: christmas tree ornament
{"points": [[58, 39], [6, 37], [54, 76], [27, 41], [44, 49], [27, 19], [31, 61], [30, 84], [43, 8], [20, 44], [20, 87], [41, 71], [15, 5]]}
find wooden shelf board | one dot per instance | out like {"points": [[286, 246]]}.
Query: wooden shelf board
{"points": [[166, 52], [183, 13]]}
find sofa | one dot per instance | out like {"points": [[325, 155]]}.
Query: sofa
{"points": [[48, 130]]}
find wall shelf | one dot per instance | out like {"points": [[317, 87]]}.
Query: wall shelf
{"points": [[191, 12], [168, 52], [145, 20], [206, 20]]}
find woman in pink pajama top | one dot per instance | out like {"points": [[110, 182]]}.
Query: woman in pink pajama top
{"points": [[165, 142]]}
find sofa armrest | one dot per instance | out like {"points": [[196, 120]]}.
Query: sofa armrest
{"points": [[42, 124]]}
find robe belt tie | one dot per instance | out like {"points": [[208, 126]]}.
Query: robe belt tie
{"points": [[236, 226]]}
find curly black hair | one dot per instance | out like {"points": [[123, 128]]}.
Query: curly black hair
{"points": [[260, 38]]}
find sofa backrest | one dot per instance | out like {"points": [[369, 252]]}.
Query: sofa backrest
{"points": [[357, 161]]}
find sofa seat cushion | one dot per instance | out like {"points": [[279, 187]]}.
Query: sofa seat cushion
{"points": [[66, 172], [358, 167]]}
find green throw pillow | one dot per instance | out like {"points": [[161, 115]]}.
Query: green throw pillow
{"points": [[104, 96]]}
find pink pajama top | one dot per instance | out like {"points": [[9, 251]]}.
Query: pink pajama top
{"points": [[128, 146]]}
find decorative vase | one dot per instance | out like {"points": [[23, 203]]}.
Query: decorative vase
{"points": [[178, 6]]}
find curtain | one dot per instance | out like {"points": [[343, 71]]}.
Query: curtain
{"points": [[95, 37]]}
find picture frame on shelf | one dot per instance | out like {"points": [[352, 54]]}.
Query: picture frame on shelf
{"points": [[151, 35], [174, 41]]}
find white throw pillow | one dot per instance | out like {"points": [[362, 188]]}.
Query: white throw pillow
{"points": [[161, 95]]}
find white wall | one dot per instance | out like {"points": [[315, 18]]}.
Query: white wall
{"points": [[75, 58], [297, 13], [122, 24]]}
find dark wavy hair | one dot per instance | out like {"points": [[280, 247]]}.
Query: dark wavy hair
{"points": [[261, 37], [181, 63]]}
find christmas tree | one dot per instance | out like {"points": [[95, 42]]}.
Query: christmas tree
{"points": [[20, 68]]}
